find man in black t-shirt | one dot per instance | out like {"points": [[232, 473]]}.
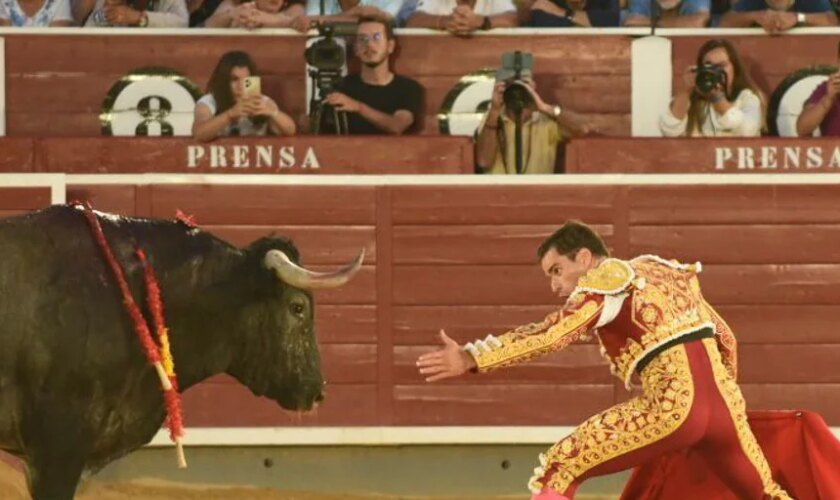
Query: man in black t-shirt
{"points": [[377, 101]]}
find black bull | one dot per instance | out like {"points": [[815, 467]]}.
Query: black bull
{"points": [[76, 390]]}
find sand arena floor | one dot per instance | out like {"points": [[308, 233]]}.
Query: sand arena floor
{"points": [[13, 487]]}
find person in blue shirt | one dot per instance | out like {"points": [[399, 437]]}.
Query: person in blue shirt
{"points": [[776, 16], [571, 13], [672, 13]]}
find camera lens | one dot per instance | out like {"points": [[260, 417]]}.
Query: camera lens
{"points": [[516, 96]]}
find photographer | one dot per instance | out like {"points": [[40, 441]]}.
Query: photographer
{"points": [[377, 101], [226, 111], [822, 109], [544, 126], [717, 97]]}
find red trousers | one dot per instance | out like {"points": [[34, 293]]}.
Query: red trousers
{"points": [[689, 401]]}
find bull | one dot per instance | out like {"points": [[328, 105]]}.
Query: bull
{"points": [[76, 390]]}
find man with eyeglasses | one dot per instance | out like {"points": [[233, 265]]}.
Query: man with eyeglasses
{"points": [[376, 100]]}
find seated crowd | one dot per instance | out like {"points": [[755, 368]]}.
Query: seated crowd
{"points": [[459, 17], [377, 101]]}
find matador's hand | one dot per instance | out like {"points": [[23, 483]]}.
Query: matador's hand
{"points": [[451, 361]]}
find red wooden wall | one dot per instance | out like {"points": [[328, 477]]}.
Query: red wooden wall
{"points": [[589, 74], [462, 258]]}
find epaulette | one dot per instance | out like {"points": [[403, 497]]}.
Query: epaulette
{"points": [[696, 268], [613, 276]]}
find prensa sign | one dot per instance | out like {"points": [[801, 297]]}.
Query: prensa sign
{"points": [[250, 157], [784, 158]]}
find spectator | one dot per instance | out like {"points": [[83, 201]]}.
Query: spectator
{"points": [[543, 128], [136, 13], [776, 16], [406, 11], [224, 111], [821, 109], [376, 100], [732, 107], [255, 14], [335, 11], [672, 13], [201, 10], [571, 13], [462, 17], [35, 13]]}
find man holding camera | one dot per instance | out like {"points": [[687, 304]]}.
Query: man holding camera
{"points": [[822, 109], [377, 101], [543, 127]]}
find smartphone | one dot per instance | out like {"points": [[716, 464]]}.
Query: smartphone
{"points": [[252, 87]]}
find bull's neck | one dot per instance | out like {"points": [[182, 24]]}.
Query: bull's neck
{"points": [[203, 326]]}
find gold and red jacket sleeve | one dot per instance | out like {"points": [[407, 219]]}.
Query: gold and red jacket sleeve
{"points": [[726, 342], [559, 329]]}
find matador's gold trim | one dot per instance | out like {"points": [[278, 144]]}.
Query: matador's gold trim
{"points": [[697, 267], [738, 411], [654, 415], [611, 277], [515, 346]]}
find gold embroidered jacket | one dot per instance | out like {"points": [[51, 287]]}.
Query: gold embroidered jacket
{"points": [[633, 306]]}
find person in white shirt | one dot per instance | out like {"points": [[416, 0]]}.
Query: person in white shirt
{"points": [[255, 14], [462, 17], [731, 108], [135, 13], [35, 14], [338, 11], [224, 111]]}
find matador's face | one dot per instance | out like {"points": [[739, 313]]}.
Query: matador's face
{"points": [[564, 272]]}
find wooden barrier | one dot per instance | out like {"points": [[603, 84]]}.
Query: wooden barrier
{"points": [[700, 155], [590, 73], [58, 89], [296, 155], [462, 257]]}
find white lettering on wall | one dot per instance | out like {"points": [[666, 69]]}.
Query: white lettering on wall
{"points": [[194, 155], [248, 157]]}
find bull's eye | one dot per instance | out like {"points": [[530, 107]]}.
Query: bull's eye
{"points": [[297, 309]]}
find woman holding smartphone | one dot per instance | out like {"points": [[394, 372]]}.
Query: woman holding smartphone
{"points": [[234, 104]]}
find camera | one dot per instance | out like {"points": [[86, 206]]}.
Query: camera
{"points": [[327, 58], [708, 77], [325, 54], [516, 66]]}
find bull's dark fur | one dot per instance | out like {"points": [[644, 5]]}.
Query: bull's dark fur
{"points": [[76, 391]]}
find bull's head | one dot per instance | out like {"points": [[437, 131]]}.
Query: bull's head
{"points": [[279, 355]]}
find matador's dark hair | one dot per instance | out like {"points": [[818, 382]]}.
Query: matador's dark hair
{"points": [[570, 238]]}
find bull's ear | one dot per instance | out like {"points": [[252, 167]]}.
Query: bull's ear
{"points": [[303, 278]]}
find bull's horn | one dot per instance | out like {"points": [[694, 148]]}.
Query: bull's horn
{"points": [[301, 277]]}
